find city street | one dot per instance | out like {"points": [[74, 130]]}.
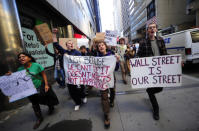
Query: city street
{"points": [[179, 111]]}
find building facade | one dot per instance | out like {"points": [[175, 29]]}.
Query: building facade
{"points": [[138, 18], [192, 8], [117, 13], [97, 16], [125, 17], [169, 15]]}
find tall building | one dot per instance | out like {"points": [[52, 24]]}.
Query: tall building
{"points": [[117, 13], [125, 17], [169, 15], [97, 15], [138, 18]]}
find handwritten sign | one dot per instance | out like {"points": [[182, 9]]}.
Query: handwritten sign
{"points": [[89, 70], [111, 37], [17, 86], [158, 71]]}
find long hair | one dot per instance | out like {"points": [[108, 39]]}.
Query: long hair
{"points": [[103, 43], [26, 54]]}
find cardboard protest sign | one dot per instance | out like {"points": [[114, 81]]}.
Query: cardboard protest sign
{"points": [[17, 86], [111, 37], [62, 42], [158, 71], [43, 33], [89, 70], [100, 36]]}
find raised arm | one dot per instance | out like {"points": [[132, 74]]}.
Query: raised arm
{"points": [[48, 52]]}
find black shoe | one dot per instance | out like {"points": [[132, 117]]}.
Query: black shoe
{"points": [[51, 110], [112, 104], [125, 82], [156, 116], [107, 124]]}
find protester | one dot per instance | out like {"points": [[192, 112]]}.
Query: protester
{"points": [[121, 51], [59, 69], [102, 51], [83, 50], [129, 53], [76, 91], [45, 94], [152, 46]]}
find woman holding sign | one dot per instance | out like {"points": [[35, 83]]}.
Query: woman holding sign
{"points": [[102, 51], [76, 91], [45, 94]]}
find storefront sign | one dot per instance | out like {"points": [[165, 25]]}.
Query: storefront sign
{"points": [[36, 49]]}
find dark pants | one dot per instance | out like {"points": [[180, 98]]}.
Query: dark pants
{"points": [[151, 92], [112, 90], [76, 93]]}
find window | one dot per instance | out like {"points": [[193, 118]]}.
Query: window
{"points": [[195, 36], [151, 10]]}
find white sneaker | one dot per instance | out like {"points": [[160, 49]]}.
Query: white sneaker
{"points": [[77, 107], [84, 100]]}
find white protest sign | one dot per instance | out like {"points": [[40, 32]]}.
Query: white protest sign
{"points": [[158, 71], [89, 70], [111, 37], [81, 42], [17, 86]]}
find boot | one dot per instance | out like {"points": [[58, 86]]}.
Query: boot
{"points": [[51, 110], [38, 114], [106, 121], [155, 106]]}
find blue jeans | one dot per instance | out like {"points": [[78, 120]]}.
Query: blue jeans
{"points": [[59, 76]]}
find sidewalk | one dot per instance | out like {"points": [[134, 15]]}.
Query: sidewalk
{"points": [[179, 111]]}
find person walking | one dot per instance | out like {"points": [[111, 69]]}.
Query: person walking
{"points": [[121, 52], [59, 74], [76, 91], [152, 46], [45, 94], [102, 49]]}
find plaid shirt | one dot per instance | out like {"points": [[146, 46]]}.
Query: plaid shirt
{"points": [[145, 49]]}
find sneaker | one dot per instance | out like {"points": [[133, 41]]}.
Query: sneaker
{"points": [[84, 100], [77, 107]]}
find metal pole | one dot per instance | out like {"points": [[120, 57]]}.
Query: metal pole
{"points": [[10, 35]]}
